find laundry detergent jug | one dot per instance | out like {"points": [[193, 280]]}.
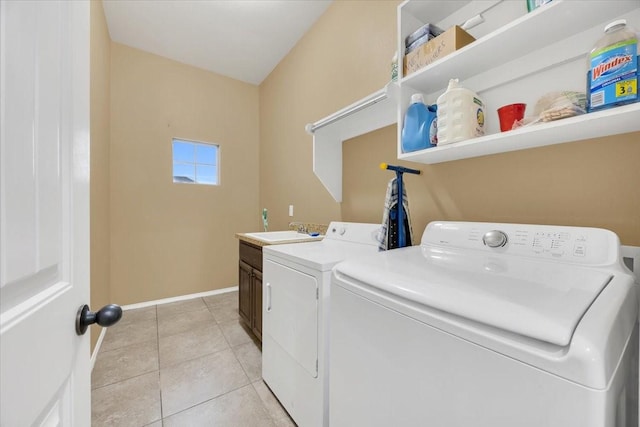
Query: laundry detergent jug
{"points": [[419, 129], [460, 114]]}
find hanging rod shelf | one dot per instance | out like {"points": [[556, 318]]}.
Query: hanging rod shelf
{"points": [[366, 115], [352, 109]]}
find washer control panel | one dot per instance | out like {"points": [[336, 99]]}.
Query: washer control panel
{"points": [[581, 245]]}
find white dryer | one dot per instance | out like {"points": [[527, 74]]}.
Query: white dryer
{"points": [[486, 325], [295, 329]]}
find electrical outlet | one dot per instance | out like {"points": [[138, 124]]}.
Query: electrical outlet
{"points": [[290, 210]]}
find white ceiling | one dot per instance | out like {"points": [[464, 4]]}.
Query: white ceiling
{"points": [[242, 39]]}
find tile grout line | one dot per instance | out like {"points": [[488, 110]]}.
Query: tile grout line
{"points": [[196, 358], [223, 334], [235, 357], [264, 404], [230, 347], [103, 351], [215, 322], [159, 370], [105, 347], [240, 363], [218, 396], [126, 379], [178, 333], [208, 354]]}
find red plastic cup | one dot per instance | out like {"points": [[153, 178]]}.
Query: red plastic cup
{"points": [[509, 114]]}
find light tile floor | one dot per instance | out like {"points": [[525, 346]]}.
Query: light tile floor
{"points": [[188, 363]]}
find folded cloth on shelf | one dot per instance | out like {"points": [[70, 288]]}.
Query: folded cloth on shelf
{"points": [[388, 237]]}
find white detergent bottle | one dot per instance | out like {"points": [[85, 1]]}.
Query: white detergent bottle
{"points": [[460, 114]]}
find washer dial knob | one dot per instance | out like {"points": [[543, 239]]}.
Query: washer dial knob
{"points": [[494, 239]]}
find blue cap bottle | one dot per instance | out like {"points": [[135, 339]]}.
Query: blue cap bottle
{"points": [[418, 132]]}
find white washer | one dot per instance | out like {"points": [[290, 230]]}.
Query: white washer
{"points": [[296, 279], [486, 325]]}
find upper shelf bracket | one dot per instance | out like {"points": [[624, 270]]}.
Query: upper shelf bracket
{"points": [[366, 115]]}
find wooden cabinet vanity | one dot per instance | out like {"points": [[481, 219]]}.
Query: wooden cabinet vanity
{"points": [[250, 287]]}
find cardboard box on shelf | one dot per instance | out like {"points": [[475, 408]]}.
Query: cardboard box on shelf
{"points": [[449, 41]]}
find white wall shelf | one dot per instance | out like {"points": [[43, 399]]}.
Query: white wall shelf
{"points": [[517, 57], [543, 27], [602, 123], [366, 115]]}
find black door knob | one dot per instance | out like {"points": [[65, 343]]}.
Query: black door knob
{"points": [[106, 316]]}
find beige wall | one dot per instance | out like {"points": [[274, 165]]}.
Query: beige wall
{"points": [[100, 134], [346, 56], [590, 183], [174, 239]]}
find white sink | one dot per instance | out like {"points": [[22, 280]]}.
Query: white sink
{"points": [[280, 236]]}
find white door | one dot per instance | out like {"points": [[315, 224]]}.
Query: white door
{"points": [[44, 212]]}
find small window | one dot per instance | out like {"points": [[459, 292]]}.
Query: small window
{"points": [[195, 162]]}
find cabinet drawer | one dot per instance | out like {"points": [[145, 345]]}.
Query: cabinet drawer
{"points": [[252, 255]]}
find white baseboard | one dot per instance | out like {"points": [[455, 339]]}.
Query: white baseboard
{"points": [[179, 298], [96, 349]]}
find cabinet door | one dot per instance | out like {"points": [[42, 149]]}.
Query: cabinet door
{"points": [[257, 304], [244, 292]]}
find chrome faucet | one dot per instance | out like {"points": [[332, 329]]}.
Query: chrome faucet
{"points": [[299, 227]]}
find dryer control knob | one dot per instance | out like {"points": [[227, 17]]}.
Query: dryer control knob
{"points": [[342, 230], [494, 238]]}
